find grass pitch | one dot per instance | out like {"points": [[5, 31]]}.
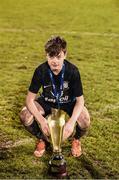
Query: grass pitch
{"points": [[92, 32]]}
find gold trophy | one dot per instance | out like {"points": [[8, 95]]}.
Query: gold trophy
{"points": [[57, 163]]}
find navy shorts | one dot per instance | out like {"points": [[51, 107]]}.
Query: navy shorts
{"points": [[67, 107]]}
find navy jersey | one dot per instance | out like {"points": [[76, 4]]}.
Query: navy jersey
{"points": [[72, 86]]}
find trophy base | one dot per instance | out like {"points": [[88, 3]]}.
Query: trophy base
{"points": [[57, 167], [58, 172]]}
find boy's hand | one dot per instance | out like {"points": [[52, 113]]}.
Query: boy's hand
{"points": [[68, 129], [45, 127]]}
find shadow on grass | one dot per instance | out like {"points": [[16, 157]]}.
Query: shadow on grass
{"points": [[19, 162], [92, 168]]}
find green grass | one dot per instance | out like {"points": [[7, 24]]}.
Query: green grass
{"points": [[92, 32]]}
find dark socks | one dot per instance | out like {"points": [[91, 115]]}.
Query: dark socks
{"points": [[35, 130], [79, 132]]}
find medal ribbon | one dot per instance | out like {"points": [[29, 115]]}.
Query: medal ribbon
{"points": [[57, 94]]}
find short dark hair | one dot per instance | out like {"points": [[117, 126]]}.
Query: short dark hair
{"points": [[55, 45]]}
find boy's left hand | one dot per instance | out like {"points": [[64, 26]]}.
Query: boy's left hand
{"points": [[68, 129]]}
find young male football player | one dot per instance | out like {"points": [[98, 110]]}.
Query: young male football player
{"points": [[61, 88]]}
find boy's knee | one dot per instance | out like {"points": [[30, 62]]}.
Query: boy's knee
{"points": [[26, 117]]}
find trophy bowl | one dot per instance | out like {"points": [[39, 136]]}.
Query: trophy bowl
{"points": [[57, 163]]}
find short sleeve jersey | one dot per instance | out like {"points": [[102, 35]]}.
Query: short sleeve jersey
{"points": [[72, 85]]}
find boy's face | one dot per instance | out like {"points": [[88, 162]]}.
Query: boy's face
{"points": [[56, 63]]}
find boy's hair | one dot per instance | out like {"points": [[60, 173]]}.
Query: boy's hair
{"points": [[55, 45]]}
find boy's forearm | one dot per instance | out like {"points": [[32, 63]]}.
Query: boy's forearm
{"points": [[77, 109]]}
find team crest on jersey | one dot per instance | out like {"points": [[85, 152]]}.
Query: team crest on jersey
{"points": [[65, 85]]}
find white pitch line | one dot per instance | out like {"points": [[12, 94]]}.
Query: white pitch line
{"points": [[14, 30], [17, 30], [89, 33], [11, 144]]}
